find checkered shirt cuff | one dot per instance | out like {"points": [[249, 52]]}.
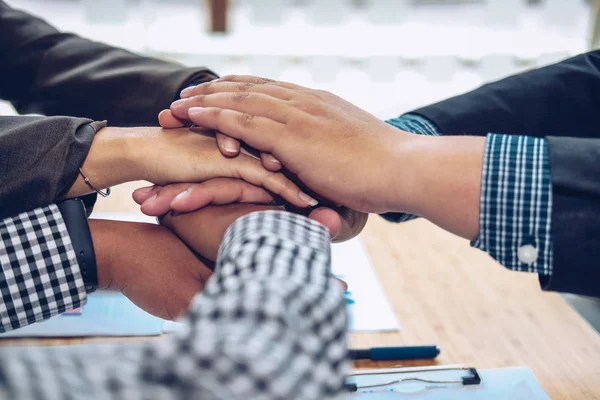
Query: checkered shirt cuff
{"points": [[415, 124], [516, 203], [39, 273], [271, 322]]}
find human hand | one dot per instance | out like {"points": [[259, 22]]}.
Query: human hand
{"points": [[203, 230], [148, 264], [162, 156], [343, 223], [337, 149]]}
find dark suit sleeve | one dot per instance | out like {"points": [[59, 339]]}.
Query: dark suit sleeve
{"points": [[575, 168], [559, 102], [52, 73], [40, 158]]}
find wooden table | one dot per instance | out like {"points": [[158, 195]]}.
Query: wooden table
{"points": [[479, 313]]}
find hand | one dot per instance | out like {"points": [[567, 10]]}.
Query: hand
{"points": [[149, 265], [162, 156], [343, 223], [338, 150], [203, 230]]}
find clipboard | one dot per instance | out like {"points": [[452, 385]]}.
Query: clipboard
{"points": [[444, 383]]}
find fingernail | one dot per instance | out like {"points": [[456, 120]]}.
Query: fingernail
{"points": [[273, 159], [144, 190], [230, 146], [187, 91], [182, 195], [307, 199], [178, 103]]}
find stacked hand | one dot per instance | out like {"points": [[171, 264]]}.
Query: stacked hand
{"points": [[332, 146], [199, 191]]}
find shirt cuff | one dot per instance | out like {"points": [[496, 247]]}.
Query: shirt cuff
{"points": [[415, 124], [275, 231], [39, 271], [516, 203]]}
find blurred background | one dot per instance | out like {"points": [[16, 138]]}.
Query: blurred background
{"points": [[387, 56]]}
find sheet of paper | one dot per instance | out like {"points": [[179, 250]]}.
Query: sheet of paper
{"points": [[105, 314], [516, 383], [368, 305]]}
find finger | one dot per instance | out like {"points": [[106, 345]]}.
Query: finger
{"points": [[261, 133], [219, 192], [160, 203], [343, 223], [328, 217], [343, 283], [258, 81], [279, 92], [229, 147], [252, 171], [270, 162], [256, 104], [167, 120], [142, 194]]}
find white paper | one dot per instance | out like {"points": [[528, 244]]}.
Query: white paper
{"points": [[371, 310]]}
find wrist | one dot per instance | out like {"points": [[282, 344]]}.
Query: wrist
{"points": [[102, 241], [439, 178], [403, 173], [116, 156]]}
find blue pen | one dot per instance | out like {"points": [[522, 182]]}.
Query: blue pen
{"points": [[395, 353]]}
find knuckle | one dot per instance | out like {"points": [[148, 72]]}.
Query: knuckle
{"points": [[246, 120], [239, 97], [231, 78], [244, 87], [204, 88], [197, 100]]}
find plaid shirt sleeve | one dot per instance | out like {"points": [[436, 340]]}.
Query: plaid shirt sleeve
{"points": [[516, 198], [270, 324], [516, 203], [39, 272]]}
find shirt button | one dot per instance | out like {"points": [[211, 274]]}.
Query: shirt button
{"points": [[527, 254]]}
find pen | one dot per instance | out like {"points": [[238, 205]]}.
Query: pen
{"points": [[395, 353]]}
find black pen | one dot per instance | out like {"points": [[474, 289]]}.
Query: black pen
{"points": [[395, 353]]}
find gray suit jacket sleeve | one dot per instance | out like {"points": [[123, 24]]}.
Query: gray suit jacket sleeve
{"points": [[47, 72], [52, 73], [560, 103]]}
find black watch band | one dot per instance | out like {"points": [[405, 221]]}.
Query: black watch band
{"points": [[74, 214]]}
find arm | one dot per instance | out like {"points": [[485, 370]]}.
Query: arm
{"points": [[51, 259], [36, 170], [40, 274], [557, 100], [48, 72], [498, 190], [271, 324]]}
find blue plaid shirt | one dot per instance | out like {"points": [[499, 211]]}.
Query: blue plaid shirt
{"points": [[516, 198]]}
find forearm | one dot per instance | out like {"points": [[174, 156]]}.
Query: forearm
{"points": [[439, 178], [115, 157]]}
